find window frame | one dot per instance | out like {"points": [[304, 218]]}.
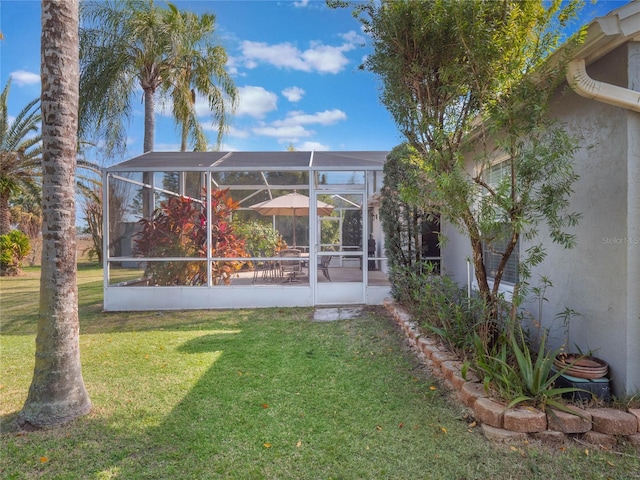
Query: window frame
{"points": [[511, 274]]}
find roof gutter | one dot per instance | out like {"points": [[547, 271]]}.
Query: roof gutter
{"points": [[603, 35], [584, 85]]}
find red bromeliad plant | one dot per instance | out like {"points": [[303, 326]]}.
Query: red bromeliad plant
{"points": [[178, 228]]}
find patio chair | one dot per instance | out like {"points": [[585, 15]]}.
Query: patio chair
{"points": [[290, 268], [324, 266], [264, 267]]}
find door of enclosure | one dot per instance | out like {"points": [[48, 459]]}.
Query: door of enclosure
{"points": [[339, 241]]}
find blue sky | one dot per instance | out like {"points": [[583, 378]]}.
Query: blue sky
{"points": [[295, 64]]}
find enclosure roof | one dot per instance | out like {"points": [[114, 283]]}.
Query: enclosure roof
{"points": [[247, 161]]}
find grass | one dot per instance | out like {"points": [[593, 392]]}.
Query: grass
{"points": [[253, 394]]}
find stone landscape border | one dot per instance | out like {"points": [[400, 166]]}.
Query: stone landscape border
{"points": [[600, 427]]}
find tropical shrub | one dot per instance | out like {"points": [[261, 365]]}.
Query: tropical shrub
{"points": [[178, 228], [26, 215], [14, 248], [260, 238]]}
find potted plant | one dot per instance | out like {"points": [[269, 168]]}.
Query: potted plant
{"points": [[577, 364]]}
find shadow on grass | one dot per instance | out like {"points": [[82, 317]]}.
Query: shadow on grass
{"points": [[182, 445], [253, 393], [117, 444], [284, 399]]}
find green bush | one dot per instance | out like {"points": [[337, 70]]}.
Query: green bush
{"points": [[260, 238], [452, 315], [14, 248], [439, 305], [489, 337], [404, 223]]}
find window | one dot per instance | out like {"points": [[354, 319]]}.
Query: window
{"points": [[492, 253], [492, 257], [431, 242]]}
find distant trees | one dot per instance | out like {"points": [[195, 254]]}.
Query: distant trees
{"points": [[134, 43], [21, 169]]}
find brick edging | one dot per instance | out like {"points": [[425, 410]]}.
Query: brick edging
{"points": [[603, 427]]}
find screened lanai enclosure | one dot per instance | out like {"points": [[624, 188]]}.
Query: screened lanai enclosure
{"points": [[200, 230]]}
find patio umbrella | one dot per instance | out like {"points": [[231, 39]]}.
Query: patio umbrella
{"points": [[292, 204]]}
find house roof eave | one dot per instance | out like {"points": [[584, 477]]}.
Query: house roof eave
{"points": [[605, 34]]}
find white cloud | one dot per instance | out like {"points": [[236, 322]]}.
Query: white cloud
{"points": [[353, 37], [255, 102], [231, 131], [282, 55], [290, 133], [328, 117], [232, 65], [166, 147], [293, 94], [319, 58], [326, 59], [301, 3], [293, 127], [22, 77], [227, 147], [313, 146]]}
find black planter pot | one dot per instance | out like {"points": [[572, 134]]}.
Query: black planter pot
{"points": [[598, 387]]}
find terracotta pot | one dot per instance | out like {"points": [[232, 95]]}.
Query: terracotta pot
{"points": [[581, 366]]}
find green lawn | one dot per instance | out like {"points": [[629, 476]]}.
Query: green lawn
{"points": [[252, 394]]}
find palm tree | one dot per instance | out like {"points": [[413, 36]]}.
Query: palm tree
{"points": [[131, 43], [57, 393], [20, 152], [123, 45], [200, 71]]}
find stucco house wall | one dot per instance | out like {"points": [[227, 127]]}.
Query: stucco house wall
{"points": [[598, 278], [592, 277]]}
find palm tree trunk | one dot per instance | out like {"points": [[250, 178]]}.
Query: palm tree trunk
{"points": [[184, 139], [5, 214], [149, 133], [149, 120], [57, 394]]}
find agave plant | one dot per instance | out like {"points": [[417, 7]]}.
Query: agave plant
{"points": [[523, 379], [538, 378]]}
